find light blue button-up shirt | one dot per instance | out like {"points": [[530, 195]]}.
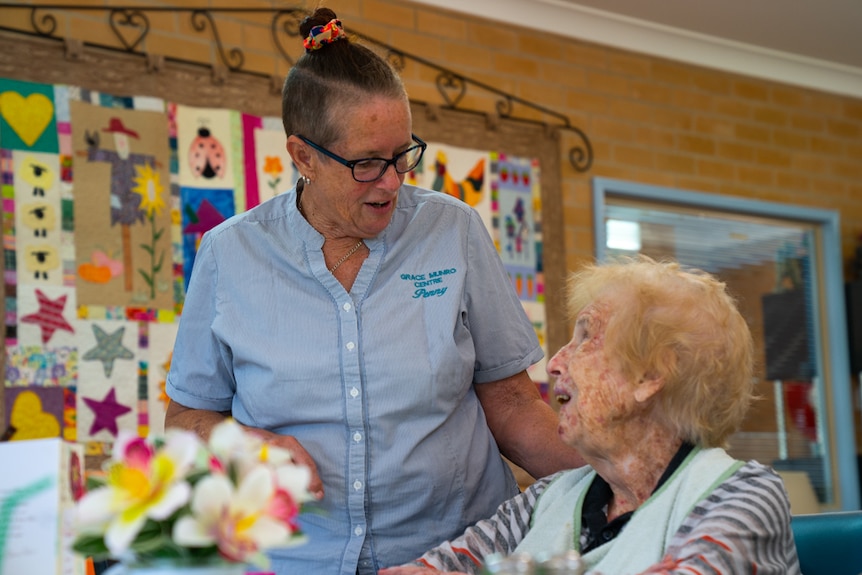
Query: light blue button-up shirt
{"points": [[377, 384]]}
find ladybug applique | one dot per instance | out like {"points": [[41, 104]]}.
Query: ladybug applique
{"points": [[206, 156]]}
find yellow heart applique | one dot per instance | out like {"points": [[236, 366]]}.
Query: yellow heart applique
{"points": [[28, 419], [29, 116]]}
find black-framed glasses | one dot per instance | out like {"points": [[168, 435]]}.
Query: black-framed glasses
{"points": [[370, 169]]}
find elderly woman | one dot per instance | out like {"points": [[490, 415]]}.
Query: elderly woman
{"points": [[355, 320], [655, 379]]}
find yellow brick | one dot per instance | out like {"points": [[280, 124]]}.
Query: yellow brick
{"points": [[264, 63], [771, 157], [427, 47], [853, 109], [737, 152], [515, 65], [789, 97], [808, 122], [629, 64], [540, 46], [634, 156], [697, 185], [770, 116], [651, 92], [464, 57], [711, 82], [792, 181], [630, 110], [751, 90], [850, 170], [692, 99], [751, 133], [714, 126], [584, 54], [671, 73], [441, 25], [715, 169], [608, 128], [179, 46], [656, 136], [536, 92], [394, 14], [754, 176], [672, 118], [790, 139], [101, 34], [605, 83], [491, 36], [676, 163], [696, 145], [732, 107], [564, 75], [588, 102], [827, 146], [843, 129]]}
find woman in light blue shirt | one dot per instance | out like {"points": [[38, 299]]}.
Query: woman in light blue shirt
{"points": [[368, 326]]}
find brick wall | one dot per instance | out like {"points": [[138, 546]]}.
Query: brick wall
{"points": [[649, 120]]}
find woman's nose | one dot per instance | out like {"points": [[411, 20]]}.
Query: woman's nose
{"points": [[391, 179]]}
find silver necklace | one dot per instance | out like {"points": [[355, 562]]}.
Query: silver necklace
{"points": [[345, 256]]}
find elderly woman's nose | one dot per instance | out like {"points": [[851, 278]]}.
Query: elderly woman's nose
{"points": [[556, 364]]}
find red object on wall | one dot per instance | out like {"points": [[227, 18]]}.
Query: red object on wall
{"points": [[798, 399]]}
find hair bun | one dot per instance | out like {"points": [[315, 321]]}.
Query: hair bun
{"points": [[320, 17]]}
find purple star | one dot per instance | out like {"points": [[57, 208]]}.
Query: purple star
{"points": [[107, 411]]}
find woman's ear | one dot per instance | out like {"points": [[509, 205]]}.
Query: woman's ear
{"points": [[647, 386], [301, 155]]}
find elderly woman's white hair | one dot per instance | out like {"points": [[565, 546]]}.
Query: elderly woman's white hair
{"points": [[680, 325]]}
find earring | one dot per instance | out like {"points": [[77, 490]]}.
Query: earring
{"points": [[306, 179]]}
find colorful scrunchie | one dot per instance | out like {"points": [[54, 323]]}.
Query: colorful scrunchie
{"points": [[322, 35]]}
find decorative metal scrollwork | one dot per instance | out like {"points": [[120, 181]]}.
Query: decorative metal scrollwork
{"points": [[286, 22], [200, 19], [452, 88], [129, 18], [46, 26], [131, 26]]}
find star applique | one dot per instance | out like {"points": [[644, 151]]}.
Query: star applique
{"points": [[50, 316], [107, 411], [108, 348]]}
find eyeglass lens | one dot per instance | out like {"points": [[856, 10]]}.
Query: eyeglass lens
{"points": [[370, 170]]}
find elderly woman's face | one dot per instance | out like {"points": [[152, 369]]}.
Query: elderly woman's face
{"points": [[376, 128], [594, 396]]}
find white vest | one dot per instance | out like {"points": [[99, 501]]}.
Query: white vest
{"points": [[556, 521]]}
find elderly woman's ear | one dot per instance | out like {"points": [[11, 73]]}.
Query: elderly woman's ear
{"points": [[647, 386]]}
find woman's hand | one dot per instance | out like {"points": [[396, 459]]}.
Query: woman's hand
{"points": [[298, 453]]}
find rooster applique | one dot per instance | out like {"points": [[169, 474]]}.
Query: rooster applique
{"points": [[469, 189]]}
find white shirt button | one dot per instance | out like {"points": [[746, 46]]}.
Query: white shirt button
{"points": [[357, 437], [357, 485], [346, 307], [350, 345], [357, 530], [354, 392]]}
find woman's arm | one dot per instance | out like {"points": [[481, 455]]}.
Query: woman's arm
{"points": [[500, 533], [525, 427]]}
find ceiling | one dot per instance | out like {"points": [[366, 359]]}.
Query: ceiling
{"points": [[816, 44]]}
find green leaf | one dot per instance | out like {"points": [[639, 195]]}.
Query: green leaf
{"points": [[146, 277], [158, 234], [146, 248], [91, 546]]}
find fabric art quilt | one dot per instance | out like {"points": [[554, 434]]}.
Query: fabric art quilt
{"points": [[105, 199]]}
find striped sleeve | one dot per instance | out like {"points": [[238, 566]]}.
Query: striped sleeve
{"points": [[742, 527], [500, 533]]}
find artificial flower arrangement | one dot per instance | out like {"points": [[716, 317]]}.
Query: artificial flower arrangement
{"points": [[178, 499]]}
